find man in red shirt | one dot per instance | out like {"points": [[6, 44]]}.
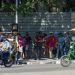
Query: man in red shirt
{"points": [[51, 43]]}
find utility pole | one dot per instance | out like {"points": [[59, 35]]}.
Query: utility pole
{"points": [[16, 16]]}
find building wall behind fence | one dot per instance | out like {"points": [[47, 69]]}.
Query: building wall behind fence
{"points": [[39, 21]]}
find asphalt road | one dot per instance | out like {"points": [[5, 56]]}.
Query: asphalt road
{"points": [[35, 68]]}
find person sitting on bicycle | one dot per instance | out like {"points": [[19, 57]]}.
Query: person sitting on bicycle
{"points": [[6, 48], [1, 44]]}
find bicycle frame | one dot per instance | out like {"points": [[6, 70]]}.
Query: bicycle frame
{"points": [[66, 59], [71, 51]]}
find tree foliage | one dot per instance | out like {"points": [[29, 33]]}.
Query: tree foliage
{"points": [[32, 5], [25, 6]]}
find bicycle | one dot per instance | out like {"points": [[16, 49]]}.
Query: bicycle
{"points": [[4, 59], [65, 60]]}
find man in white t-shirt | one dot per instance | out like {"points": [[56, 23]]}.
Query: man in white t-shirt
{"points": [[6, 48], [6, 45]]}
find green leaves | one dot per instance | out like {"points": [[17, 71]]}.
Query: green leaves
{"points": [[25, 6], [9, 7], [28, 6]]}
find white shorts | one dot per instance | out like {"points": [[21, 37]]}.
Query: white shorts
{"points": [[21, 49]]}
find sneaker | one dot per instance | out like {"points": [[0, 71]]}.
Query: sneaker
{"points": [[20, 59]]}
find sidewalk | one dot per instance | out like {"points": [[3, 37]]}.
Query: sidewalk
{"points": [[42, 61]]}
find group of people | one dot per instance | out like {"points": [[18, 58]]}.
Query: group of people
{"points": [[40, 46], [43, 45]]}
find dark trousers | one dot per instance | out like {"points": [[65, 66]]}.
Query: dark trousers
{"points": [[5, 55], [38, 51], [27, 51], [1, 54], [24, 51], [66, 48]]}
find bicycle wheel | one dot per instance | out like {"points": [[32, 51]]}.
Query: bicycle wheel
{"points": [[8, 63], [65, 61]]}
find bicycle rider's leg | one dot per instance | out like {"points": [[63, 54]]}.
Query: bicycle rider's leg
{"points": [[5, 55], [58, 49], [1, 54]]}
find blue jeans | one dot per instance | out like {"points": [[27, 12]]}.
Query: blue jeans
{"points": [[59, 50]]}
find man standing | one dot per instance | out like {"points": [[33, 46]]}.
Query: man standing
{"points": [[60, 49], [38, 45], [27, 44], [51, 43]]}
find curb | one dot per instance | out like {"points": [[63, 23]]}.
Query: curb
{"points": [[44, 62], [41, 62]]}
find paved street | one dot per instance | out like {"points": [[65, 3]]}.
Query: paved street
{"points": [[66, 72], [35, 68], [39, 67], [44, 69]]}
